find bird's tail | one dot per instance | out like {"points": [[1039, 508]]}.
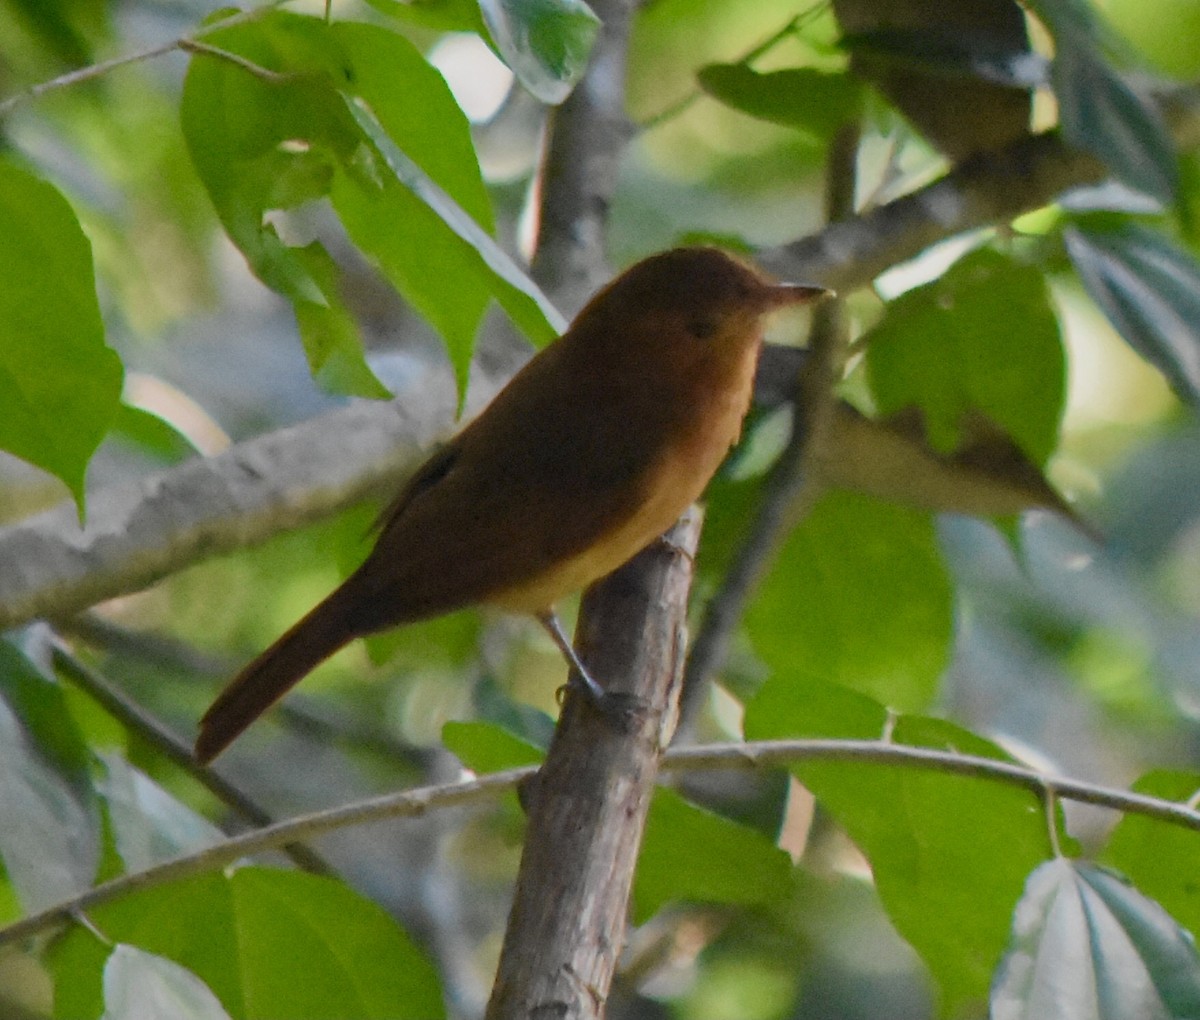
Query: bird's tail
{"points": [[269, 677]]}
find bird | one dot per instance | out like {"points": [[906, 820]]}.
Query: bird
{"points": [[588, 454]]}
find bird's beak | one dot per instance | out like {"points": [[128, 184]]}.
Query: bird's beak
{"points": [[780, 295]]}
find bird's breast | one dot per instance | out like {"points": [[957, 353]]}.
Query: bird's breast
{"points": [[680, 464]]}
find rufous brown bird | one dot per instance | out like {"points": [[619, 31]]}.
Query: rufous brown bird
{"points": [[589, 453]]}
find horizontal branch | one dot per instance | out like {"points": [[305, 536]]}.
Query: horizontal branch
{"points": [[143, 531], [412, 803], [140, 532]]}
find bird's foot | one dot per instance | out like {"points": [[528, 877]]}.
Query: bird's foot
{"points": [[623, 710]]}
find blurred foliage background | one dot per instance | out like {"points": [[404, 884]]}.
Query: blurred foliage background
{"points": [[1077, 656]]}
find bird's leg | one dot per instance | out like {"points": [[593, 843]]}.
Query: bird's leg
{"points": [[549, 619], [623, 710]]}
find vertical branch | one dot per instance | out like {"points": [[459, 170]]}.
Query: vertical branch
{"points": [[790, 491], [588, 802], [588, 805], [587, 138]]}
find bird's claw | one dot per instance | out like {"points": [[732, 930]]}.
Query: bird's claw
{"points": [[622, 710]]}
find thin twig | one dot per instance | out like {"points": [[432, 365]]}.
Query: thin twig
{"points": [[102, 68], [265, 73], [137, 720], [790, 492], [397, 805], [413, 803]]}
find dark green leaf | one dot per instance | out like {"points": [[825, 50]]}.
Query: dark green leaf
{"points": [[859, 596], [1150, 291], [692, 855], [1159, 858], [1088, 946], [60, 386], [142, 986], [546, 43], [948, 887], [269, 944], [818, 102], [1099, 112], [39, 702], [983, 338]]}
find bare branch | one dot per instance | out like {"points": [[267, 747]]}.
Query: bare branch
{"points": [[151, 729], [759, 754]]}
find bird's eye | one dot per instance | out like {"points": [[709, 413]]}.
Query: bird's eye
{"points": [[702, 328]]}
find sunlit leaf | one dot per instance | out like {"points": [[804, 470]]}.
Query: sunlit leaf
{"points": [[858, 596], [546, 43], [60, 385], [1087, 946], [947, 886], [443, 15], [349, 91], [981, 339], [1150, 291]]}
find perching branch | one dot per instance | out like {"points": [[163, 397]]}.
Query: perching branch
{"points": [[140, 532], [758, 754]]}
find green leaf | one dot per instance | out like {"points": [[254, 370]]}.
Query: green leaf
{"points": [[442, 15], [40, 703], [818, 102], [1084, 939], [876, 611], [60, 386], [268, 943], [260, 146], [983, 338], [724, 862], [947, 886], [1150, 291], [152, 434], [142, 986], [329, 332], [1160, 858], [546, 43], [525, 303], [486, 747]]}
